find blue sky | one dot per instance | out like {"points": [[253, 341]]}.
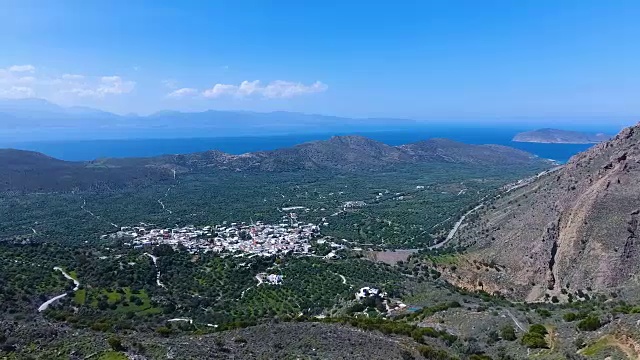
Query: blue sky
{"points": [[418, 59]]}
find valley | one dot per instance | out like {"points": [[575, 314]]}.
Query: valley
{"points": [[297, 180], [211, 245]]}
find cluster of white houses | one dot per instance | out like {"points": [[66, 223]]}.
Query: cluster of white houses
{"points": [[254, 239]]}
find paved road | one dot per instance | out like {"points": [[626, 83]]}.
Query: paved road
{"points": [[46, 304], [155, 263], [453, 231], [509, 188], [190, 321]]}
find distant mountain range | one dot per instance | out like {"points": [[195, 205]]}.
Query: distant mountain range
{"points": [[31, 171], [555, 136], [37, 119], [34, 120]]}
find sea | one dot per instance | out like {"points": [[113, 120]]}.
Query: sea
{"points": [[84, 150]]}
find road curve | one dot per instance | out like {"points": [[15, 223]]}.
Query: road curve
{"points": [[47, 303], [155, 264], [453, 231]]}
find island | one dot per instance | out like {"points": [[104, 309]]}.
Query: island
{"points": [[555, 136]]}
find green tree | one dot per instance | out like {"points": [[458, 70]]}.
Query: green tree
{"points": [[590, 323], [115, 343], [508, 333], [534, 338], [164, 331]]}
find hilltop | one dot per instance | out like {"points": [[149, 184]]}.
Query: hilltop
{"points": [[28, 171], [572, 231], [25, 170], [555, 136], [353, 153]]}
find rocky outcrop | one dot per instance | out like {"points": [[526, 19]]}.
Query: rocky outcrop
{"points": [[569, 231]]}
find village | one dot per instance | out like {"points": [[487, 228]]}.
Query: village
{"points": [[251, 239]]}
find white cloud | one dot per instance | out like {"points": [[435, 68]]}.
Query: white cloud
{"points": [[75, 77], [106, 85], [287, 89], [248, 88], [14, 85], [183, 92], [273, 90], [114, 85], [17, 92], [220, 89], [22, 68], [19, 81]]}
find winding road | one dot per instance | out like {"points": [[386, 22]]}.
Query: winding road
{"points": [[84, 208], [344, 280], [46, 304], [155, 263], [507, 188], [166, 194], [453, 231]]}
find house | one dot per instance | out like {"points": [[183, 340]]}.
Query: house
{"points": [[274, 279]]}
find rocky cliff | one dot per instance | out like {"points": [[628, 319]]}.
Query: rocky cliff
{"points": [[572, 232]]}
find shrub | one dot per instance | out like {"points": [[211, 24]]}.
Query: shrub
{"points": [[164, 331], [590, 323], [534, 340], [508, 333], [417, 335], [570, 317], [435, 354], [543, 312], [115, 343], [539, 329], [100, 326], [493, 337], [479, 357]]}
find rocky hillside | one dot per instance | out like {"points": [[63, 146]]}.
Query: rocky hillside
{"points": [[571, 232], [44, 340]]}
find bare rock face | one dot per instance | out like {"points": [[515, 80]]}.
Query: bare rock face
{"points": [[574, 229]]}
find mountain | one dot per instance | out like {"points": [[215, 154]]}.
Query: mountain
{"points": [[445, 150], [27, 171], [25, 106], [571, 231], [37, 119], [555, 136], [23, 170], [351, 153]]}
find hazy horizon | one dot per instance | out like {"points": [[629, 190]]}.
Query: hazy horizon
{"points": [[428, 60]]}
